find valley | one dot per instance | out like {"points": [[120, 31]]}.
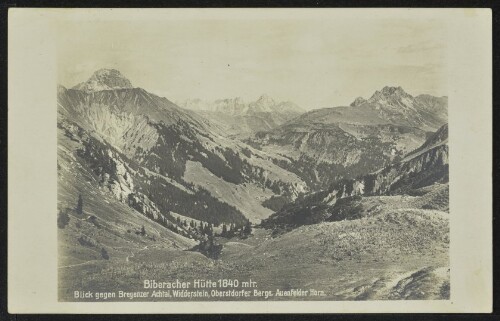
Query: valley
{"points": [[349, 200]]}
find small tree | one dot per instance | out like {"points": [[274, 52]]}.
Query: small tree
{"points": [[62, 219], [224, 230], [210, 248], [248, 228], [79, 205], [104, 254], [143, 231]]}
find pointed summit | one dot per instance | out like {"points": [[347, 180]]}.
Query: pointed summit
{"points": [[393, 90], [264, 104], [391, 96], [388, 93], [265, 99], [104, 79], [358, 101]]}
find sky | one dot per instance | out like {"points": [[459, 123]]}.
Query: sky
{"points": [[315, 61]]}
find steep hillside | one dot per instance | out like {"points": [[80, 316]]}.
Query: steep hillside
{"points": [[140, 146], [423, 167], [106, 229]]}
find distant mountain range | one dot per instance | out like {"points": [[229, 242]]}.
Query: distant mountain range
{"points": [[229, 161], [241, 119], [343, 142], [238, 107]]}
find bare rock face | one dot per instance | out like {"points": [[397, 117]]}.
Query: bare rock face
{"points": [[104, 79], [358, 101]]}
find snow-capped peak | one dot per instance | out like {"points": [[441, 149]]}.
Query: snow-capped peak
{"points": [[104, 79]]}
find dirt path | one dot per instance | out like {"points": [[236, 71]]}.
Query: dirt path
{"points": [[132, 254], [73, 265]]}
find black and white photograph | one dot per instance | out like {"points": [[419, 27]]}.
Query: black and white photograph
{"points": [[259, 155], [255, 160]]}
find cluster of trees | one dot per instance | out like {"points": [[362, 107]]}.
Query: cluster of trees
{"points": [[203, 230], [228, 167], [198, 230], [209, 247], [200, 205], [96, 155], [170, 156], [276, 203], [232, 230]]}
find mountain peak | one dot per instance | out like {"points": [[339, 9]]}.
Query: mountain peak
{"points": [[104, 79], [265, 98], [387, 90], [358, 101], [389, 94]]}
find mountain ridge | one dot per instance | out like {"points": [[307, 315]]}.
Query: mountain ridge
{"points": [[425, 166], [148, 140], [238, 107], [354, 140], [240, 119]]}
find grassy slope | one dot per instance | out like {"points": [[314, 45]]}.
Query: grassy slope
{"points": [[114, 227], [247, 198], [369, 254], [394, 253]]}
